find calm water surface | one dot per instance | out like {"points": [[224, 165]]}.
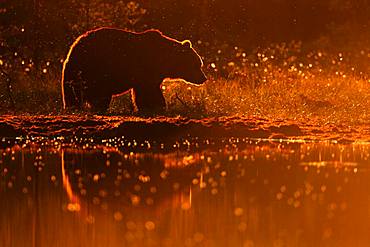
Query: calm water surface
{"points": [[190, 193]]}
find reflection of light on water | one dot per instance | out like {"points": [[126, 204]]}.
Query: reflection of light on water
{"points": [[249, 191], [185, 199], [178, 160], [74, 204], [334, 164]]}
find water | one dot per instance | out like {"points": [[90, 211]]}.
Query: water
{"points": [[191, 193]]}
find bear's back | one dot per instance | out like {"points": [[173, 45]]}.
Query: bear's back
{"points": [[116, 38], [109, 43], [104, 39]]}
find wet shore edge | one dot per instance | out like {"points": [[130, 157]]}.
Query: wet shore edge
{"points": [[170, 128]]}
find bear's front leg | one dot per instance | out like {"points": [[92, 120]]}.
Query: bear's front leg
{"points": [[148, 99], [99, 103]]}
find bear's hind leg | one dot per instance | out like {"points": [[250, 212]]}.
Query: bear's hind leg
{"points": [[149, 100], [71, 96]]}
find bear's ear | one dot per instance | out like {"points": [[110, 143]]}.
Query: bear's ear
{"points": [[186, 43]]}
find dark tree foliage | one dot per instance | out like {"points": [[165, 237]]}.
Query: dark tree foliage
{"points": [[250, 23], [41, 30]]}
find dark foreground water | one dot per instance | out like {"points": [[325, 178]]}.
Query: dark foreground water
{"points": [[198, 193]]}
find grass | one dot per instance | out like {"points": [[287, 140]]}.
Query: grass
{"points": [[281, 81], [341, 100]]}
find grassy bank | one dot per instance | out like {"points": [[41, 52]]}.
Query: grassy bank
{"points": [[280, 81]]}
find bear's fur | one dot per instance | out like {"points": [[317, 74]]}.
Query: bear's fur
{"points": [[108, 61]]}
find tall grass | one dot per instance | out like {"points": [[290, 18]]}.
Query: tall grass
{"points": [[340, 100]]}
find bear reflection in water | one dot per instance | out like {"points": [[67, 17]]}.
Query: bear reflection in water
{"points": [[107, 61], [121, 179], [155, 181]]}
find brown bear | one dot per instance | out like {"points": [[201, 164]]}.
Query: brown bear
{"points": [[109, 61]]}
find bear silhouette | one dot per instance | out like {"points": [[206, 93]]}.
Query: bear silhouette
{"points": [[108, 61]]}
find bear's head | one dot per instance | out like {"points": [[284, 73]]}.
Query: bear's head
{"points": [[186, 64]]}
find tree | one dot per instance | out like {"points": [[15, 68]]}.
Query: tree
{"points": [[98, 13]]}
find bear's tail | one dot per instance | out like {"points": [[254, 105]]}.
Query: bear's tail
{"points": [[71, 89]]}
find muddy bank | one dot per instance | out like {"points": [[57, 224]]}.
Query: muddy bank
{"points": [[165, 128]]}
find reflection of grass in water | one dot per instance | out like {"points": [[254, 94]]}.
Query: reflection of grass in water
{"points": [[281, 81]]}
